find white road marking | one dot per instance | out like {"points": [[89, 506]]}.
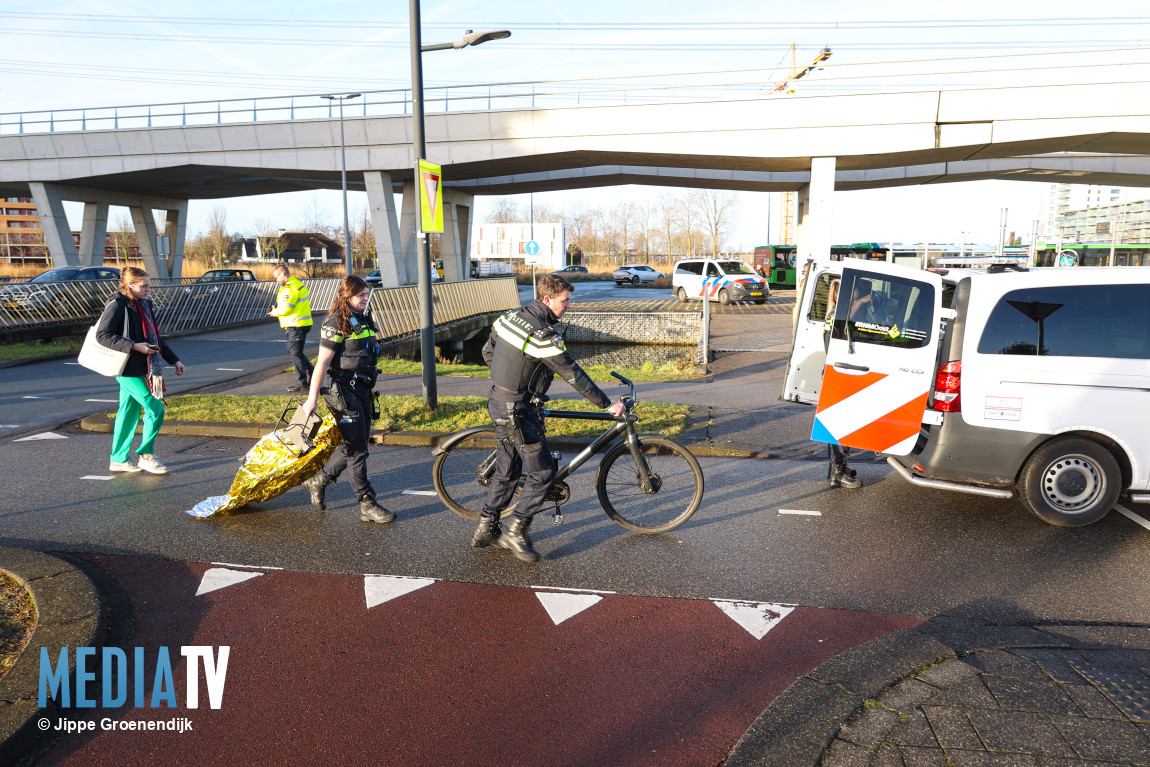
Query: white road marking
{"points": [[578, 591], [44, 435], [802, 512], [418, 492], [756, 617], [1132, 516], [560, 607], [102, 400], [220, 578], [94, 476], [71, 363], [378, 589], [231, 370], [29, 396], [249, 567]]}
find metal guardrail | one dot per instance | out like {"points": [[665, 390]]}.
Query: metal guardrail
{"points": [[202, 306]]}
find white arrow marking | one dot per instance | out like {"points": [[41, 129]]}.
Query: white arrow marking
{"points": [[563, 606], [756, 617], [221, 578], [37, 437], [378, 589]]}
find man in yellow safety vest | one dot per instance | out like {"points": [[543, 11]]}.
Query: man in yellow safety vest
{"points": [[294, 311]]}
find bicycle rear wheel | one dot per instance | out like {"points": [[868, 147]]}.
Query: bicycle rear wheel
{"points": [[455, 474], [674, 471]]}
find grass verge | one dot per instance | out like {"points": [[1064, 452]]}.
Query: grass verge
{"points": [[682, 369], [409, 414], [17, 621], [26, 351]]}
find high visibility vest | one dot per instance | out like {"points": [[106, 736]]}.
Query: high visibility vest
{"points": [[292, 305]]}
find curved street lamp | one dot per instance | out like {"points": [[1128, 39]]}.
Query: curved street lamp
{"points": [[343, 177], [422, 254]]}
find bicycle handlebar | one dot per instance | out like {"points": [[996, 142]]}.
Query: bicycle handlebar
{"points": [[628, 400]]}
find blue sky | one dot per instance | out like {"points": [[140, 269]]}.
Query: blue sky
{"points": [[92, 53]]}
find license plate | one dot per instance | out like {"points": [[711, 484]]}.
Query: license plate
{"points": [[758, 293]]}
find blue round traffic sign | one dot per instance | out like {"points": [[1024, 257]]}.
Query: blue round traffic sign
{"points": [[531, 248]]}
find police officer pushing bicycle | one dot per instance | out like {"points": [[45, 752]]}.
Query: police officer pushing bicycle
{"points": [[524, 352]]}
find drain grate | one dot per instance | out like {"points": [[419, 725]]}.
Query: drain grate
{"points": [[1127, 687]]}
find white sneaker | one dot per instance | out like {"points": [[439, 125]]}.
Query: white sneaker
{"points": [[125, 466], [152, 464]]}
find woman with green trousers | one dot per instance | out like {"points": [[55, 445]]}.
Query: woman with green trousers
{"points": [[142, 382]]}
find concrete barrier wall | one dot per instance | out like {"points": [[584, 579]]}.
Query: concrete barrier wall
{"points": [[656, 328]]}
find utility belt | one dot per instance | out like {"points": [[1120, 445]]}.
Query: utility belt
{"points": [[355, 377], [340, 396], [518, 432]]}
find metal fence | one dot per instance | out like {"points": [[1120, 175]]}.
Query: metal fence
{"points": [[203, 306]]}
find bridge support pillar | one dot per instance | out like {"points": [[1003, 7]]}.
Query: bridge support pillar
{"points": [[57, 233], [816, 212], [455, 243], [408, 269], [385, 222], [94, 234]]}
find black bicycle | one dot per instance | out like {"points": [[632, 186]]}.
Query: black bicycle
{"points": [[646, 483]]}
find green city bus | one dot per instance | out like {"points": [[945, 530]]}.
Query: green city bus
{"points": [[777, 262]]}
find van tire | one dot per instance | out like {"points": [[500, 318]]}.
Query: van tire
{"points": [[1070, 482], [724, 297], [681, 294]]}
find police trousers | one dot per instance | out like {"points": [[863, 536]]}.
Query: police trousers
{"points": [[532, 460], [354, 426]]}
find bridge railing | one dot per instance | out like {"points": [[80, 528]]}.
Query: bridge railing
{"points": [[183, 308], [653, 89]]}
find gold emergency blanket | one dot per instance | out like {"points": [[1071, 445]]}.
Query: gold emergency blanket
{"points": [[271, 468]]}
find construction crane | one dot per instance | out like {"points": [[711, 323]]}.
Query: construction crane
{"points": [[787, 85]]}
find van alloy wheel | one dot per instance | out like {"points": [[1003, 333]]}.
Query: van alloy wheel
{"points": [[1070, 482]]}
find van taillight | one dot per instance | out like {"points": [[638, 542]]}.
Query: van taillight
{"points": [[946, 387]]}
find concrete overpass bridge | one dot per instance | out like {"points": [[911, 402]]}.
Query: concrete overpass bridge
{"points": [[1096, 133]]}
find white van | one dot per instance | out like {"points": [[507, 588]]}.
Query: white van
{"points": [[722, 279], [996, 382]]}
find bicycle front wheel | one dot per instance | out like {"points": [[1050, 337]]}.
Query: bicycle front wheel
{"points": [[456, 471], [677, 486]]}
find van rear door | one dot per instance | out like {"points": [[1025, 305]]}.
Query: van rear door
{"points": [[881, 358], [808, 352]]}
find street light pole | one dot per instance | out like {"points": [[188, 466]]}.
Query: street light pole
{"points": [[422, 254], [343, 178]]}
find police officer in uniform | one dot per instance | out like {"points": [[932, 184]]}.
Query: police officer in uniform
{"points": [[524, 352], [293, 308], [348, 350]]}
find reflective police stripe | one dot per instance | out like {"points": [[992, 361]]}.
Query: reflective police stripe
{"points": [[540, 349]]}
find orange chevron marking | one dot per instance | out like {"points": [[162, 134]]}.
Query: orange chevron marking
{"points": [[886, 432], [838, 386]]}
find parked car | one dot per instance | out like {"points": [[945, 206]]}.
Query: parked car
{"points": [[54, 293], [209, 282], [635, 274], [723, 279], [573, 269], [374, 280], [986, 382]]}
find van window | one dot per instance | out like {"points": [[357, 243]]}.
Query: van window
{"points": [[818, 311], [1071, 321], [736, 267], [689, 267], [884, 311], [712, 270]]}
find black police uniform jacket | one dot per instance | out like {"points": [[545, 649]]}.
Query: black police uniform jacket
{"points": [[524, 351]]}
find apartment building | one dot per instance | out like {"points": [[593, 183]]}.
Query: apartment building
{"points": [[21, 238]]}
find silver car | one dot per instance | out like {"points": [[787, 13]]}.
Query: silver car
{"points": [[635, 274]]}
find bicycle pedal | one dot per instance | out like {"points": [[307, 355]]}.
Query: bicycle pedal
{"points": [[557, 519]]}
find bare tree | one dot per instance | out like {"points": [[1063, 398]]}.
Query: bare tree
{"points": [[504, 211], [668, 211], [123, 236], [689, 218], [718, 209], [271, 240], [363, 237], [218, 239]]}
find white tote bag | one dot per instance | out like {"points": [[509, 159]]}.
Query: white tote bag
{"points": [[101, 359]]}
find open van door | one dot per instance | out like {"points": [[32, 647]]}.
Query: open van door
{"points": [[808, 351], [880, 363]]}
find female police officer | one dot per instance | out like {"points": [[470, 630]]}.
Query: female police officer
{"points": [[348, 350]]}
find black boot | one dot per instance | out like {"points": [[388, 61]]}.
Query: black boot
{"points": [[370, 511], [317, 487], [515, 538], [486, 533], [842, 475]]}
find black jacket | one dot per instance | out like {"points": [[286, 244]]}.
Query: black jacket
{"points": [[524, 351], [111, 325]]}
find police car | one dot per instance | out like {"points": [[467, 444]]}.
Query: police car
{"points": [[996, 382]]}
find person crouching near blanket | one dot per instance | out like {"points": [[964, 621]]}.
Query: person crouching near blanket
{"points": [[142, 382], [348, 351]]}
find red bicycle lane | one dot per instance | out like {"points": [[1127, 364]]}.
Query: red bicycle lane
{"points": [[453, 673]]}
